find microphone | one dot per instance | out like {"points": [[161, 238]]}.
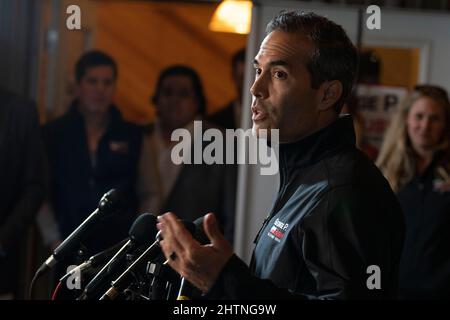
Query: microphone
{"points": [[188, 290], [109, 204], [149, 254], [200, 234], [94, 261], [141, 233]]}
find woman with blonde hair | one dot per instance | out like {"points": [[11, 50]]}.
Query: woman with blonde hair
{"points": [[415, 160]]}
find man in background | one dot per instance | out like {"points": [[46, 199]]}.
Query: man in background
{"points": [[92, 149], [188, 189], [229, 117], [22, 185]]}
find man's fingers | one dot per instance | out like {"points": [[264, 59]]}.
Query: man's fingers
{"points": [[171, 251], [178, 233], [178, 229], [212, 230], [170, 243]]}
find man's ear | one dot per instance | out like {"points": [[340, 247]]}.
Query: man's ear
{"points": [[331, 91]]}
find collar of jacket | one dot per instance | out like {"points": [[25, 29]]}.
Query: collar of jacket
{"points": [[114, 113], [319, 145]]}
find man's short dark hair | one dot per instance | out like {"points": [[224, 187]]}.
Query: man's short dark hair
{"points": [[180, 70], [334, 57], [91, 59]]}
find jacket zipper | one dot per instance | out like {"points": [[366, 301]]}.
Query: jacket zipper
{"points": [[275, 207]]}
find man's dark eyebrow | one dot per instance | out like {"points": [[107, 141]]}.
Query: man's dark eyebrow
{"points": [[273, 63], [278, 63]]}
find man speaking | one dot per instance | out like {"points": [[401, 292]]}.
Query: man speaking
{"points": [[335, 221]]}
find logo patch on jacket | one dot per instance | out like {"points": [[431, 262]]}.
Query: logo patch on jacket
{"points": [[118, 146], [277, 231]]}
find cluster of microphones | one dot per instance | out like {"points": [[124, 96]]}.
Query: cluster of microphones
{"points": [[134, 269]]}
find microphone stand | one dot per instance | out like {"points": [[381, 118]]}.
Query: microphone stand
{"points": [[164, 279]]}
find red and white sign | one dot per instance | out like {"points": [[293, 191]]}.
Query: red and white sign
{"points": [[376, 105]]}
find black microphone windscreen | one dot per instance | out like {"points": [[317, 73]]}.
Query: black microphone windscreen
{"points": [[112, 202], [143, 230], [200, 234], [190, 226]]}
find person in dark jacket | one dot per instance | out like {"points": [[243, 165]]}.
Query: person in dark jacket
{"points": [[229, 116], [336, 229], [92, 149], [415, 158], [189, 189], [22, 182]]}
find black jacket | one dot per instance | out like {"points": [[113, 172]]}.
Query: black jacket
{"points": [[22, 180], [225, 118], [425, 263], [335, 215], [22, 174], [77, 182], [203, 188]]}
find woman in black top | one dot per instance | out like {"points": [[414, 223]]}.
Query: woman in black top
{"points": [[415, 160]]}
